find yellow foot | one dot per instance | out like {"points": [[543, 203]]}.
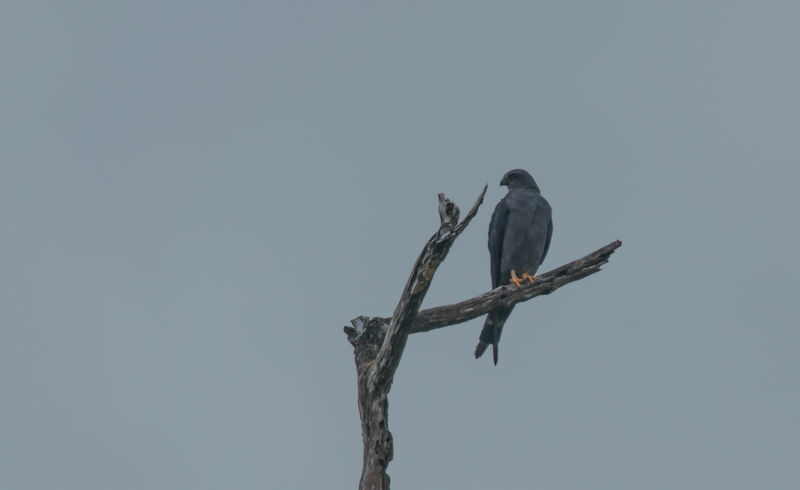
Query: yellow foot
{"points": [[528, 277], [516, 280]]}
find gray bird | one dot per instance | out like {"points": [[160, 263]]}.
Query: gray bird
{"points": [[519, 236]]}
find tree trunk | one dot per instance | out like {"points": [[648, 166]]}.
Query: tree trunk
{"points": [[378, 444]]}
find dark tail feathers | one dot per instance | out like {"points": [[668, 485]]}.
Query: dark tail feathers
{"points": [[492, 329], [482, 346]]}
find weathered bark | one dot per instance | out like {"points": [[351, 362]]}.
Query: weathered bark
{"points": [[379, 342], [378, 352]]}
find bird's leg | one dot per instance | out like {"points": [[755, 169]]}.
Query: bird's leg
{"points": [[528, 277], [516, 280]]}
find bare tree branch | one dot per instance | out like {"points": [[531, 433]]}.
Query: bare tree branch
{"points": [[379, 342], [417, 286], [509, 295], [444, 316]]}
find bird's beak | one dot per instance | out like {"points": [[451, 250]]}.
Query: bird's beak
{"points": [[504, 181]]}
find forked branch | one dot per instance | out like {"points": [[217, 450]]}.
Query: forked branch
{"points": [[379, 342], [446, 315]]}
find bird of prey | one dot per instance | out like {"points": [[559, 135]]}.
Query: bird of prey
{"points": [[519, 236]]}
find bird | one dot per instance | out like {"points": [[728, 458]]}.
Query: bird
{"points": [[519, 238]]}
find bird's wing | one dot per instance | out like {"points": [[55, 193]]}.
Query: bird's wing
{"points": [[547, 241], [497, 230]]}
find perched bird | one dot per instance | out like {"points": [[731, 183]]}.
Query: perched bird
{"points": [[519, 236]]}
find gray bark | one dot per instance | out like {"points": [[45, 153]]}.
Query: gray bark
{"points": [[379, 342]]}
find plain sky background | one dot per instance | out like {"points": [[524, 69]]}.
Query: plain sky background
{"points": [[196, 196]]}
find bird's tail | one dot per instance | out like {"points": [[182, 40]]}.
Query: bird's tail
{"points": [[490, 334], [482, 346]]}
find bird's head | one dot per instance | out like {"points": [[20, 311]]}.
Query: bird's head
{"points": [[518, 179]]}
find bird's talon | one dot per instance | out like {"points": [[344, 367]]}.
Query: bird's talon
{"points": [[516, 280], [529, 277]]}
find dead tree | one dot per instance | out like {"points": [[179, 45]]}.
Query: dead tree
{"points": [[379, 342]]}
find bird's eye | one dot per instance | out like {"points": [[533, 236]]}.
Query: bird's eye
{"points": [[513, 176]]}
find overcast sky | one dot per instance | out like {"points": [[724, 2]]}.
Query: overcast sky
{"points": [[196, 196]]}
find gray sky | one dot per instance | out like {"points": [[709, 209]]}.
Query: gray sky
{"points": [[196, 196]]}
